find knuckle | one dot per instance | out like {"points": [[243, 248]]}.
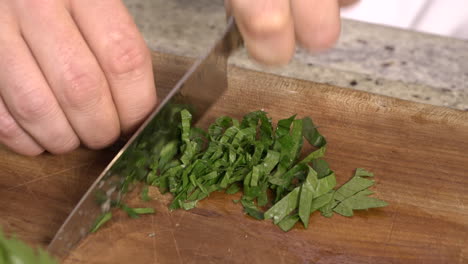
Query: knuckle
{"points": [[126, 55], [82, 88], [268, 23], [8, 127], [32, 105]]}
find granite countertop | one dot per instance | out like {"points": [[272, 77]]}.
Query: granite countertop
{"points": [[404, 64]]}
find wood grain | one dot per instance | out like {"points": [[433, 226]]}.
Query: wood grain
{"points": [[418, 153]]}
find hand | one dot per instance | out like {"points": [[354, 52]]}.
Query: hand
{"points": [[71, 71], [271, 28]]}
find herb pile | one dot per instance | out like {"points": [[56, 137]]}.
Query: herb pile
{"points": [[252, 156], [13, 250]]}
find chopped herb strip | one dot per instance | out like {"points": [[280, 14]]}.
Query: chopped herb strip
{"points": [[288, 222], [306, 197], [141, 211], [251, 209], [104, 218], [284, 206], [130, 211], [249, 155], [353, 186], [144, 194], [234, 188]]}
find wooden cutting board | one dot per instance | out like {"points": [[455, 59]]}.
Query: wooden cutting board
{"points": [[418, 152]]}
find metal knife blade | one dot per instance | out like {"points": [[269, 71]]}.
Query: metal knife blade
{"points": [[198, 89]]}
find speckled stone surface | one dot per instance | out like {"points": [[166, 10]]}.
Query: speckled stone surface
{"points": [[383, 60]]}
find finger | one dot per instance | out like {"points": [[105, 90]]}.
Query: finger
{"points": [[14, 137], [267, 28], [122, 54], [317, 23], [71, 70], [29, 100]]}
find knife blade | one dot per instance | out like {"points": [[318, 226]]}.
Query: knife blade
{"points": [[198, 89]]}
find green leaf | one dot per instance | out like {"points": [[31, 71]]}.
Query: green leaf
{"points": [[288, 222], [327, 209], [312, 134], [321, 167], [359, 201], [234, 188], [130, 211], [188, 205], [324, 185], [315, 155], [257, 173], [251, 209], [15, 251], [284, 126], [321, 201], [360, 172], [266, 130], [146, 210], [285, 179], [343, 209], [100, 221], [353, 186], [306, 196], [284, 207], [144, 194], [270, 161], [186, 117]]}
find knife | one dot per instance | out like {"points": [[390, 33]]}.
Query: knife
{"points": [[198, 89]]}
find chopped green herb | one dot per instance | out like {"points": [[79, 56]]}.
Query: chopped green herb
{"points": [[306, 196], [141, 211], [288, 222], [104, 218], [284, 206], [144, 194], [249, 155], [234, 188]]}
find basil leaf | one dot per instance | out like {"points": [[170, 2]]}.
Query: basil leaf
{"points": [[327, 209], [353, 186], [311, 133], [288, 222], [321, 167], [141, 211], [284, 207], [306, 195], [100, 221], [284, 126], [324, 185], [144, 194], [234, 188], [360, 172], [359, 201], [270, 161], [315, 155], [321, 201], [251, 209], [188, 205]]}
